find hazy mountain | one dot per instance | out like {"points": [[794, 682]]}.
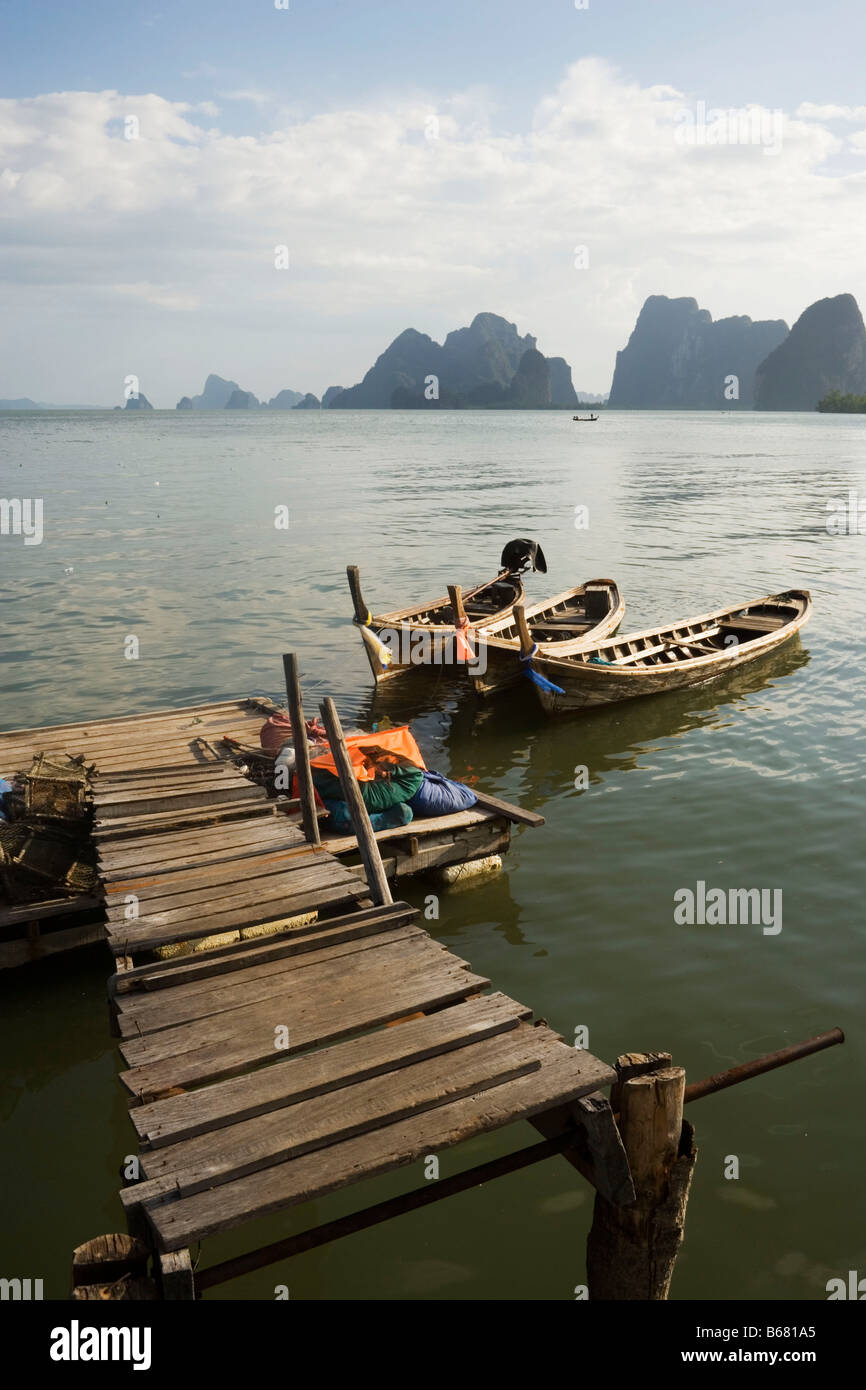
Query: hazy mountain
{"points": [[241, 400], [475, 366], [825, 351], [309, 402], [215, 394], [184, 403], [25, 403], [139, 402], [677, 358], [331, 393], [285, 400]]}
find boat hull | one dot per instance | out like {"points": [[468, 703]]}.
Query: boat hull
{"points": [[584, 684], [499, 667]]}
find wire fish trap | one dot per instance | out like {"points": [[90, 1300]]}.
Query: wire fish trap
{"points": [[56, 787], [31, 856]]}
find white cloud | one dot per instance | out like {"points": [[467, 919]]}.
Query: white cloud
{"points": [[810, 111], [160, 249]]}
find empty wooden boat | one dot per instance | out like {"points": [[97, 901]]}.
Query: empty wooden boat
{"points": [[665, 658], [426, 633], [558, 626]]}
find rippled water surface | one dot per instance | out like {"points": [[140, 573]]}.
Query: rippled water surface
{"points": [[162, 526]]}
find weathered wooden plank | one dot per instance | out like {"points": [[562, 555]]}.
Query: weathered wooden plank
{"points": [[150, 852], [257, 884], [322, 969], [251, 1145], [505, 808], [239, 703], [209, 815], [140, 801], [128, 938], [179, 1222], [345, 844], [192, 905], [221, 1048], [14, 953], [48, 907], [184, 969], [319, 1073]]}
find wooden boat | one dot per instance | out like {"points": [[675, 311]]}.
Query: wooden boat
{"points": [[426, 633], [585, 419], [666, 658], [558, 626]]}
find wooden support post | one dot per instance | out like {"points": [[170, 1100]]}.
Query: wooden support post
{"points": [[111, 1267], [367, 846], [632, 1249], [176, 1275], [596, 1150], [309, 819]]}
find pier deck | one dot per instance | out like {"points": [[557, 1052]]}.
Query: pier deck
{"points": [[168, 771]]}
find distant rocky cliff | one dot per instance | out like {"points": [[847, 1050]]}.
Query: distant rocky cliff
{"points": [[475, 366], [824, 352], [677, 358]]}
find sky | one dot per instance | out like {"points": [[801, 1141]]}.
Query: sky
{"points": [[273, 194]]}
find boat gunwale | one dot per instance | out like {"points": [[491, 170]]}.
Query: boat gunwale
{"points": [[611, 620]]}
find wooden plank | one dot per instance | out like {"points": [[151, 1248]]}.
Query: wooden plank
{"points": [[14, 953], [259, 883], [252, 1145], [222, 875], [163, 848], [319, 1073], [125, 805], [505, 808], [140, 1015], [222, 898], [211, 815], [239, 702], [177, 1223], [227, 1045], [40, 911], [128, 938], [184, 969], [345, 844]]}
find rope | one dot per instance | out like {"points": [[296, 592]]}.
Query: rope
{"points": [[541, 681]]}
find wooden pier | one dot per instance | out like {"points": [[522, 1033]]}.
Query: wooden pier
{"points": [[151, 767], [266, 1071]]}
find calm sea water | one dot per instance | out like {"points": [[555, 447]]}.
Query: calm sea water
{"points": [[162, 526]]}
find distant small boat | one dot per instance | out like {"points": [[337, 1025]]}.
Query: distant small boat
{"points": [[665, 658], [559, 626], [427, 633], [585, 419]]}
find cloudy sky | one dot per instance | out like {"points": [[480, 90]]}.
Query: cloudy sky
{"points": [[420, 162]]}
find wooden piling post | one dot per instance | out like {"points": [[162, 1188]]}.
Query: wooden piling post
{"points": [[309, 819], [369, 849], [631, 1250]]}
